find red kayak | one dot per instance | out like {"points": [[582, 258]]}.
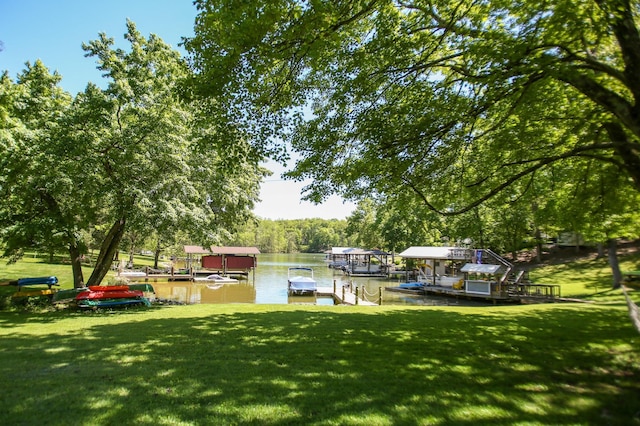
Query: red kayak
{"points": [[108, 294], [108, 287]]}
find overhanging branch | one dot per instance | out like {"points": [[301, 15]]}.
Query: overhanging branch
{"points": [[538, 164]]}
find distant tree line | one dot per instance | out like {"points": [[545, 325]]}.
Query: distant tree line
{"points": [[293, 236]]}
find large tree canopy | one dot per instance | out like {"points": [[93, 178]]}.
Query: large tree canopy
{"points": [[463, 95], [132, 154]]}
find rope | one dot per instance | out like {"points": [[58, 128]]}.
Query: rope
{"points": [[633, 310], [366, 296]]}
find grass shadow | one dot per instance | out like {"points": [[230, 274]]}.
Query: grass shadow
{"points": [[324, 366]]}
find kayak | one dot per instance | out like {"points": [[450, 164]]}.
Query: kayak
{"points": [[104, 303], [110, 294], [38, 281], [108, 287]]}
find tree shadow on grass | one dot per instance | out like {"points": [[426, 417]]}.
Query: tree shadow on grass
{"points": [[319, 366]]}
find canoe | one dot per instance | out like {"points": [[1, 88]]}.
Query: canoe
{"points": [[35, 293], [147, 290], [109, 287], [38, 281], [110, 296], [412, 286], [115, 294], [107, 303], [66, 296]]}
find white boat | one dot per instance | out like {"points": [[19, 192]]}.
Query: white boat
{"points": [[300, 283], [132, 273], [218, 279]]}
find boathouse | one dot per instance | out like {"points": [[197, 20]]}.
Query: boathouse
{"points": [[225, 260], [359, 262], [440, 262], [473, 273]]}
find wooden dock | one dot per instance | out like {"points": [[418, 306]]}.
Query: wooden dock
{"points": [[343, 295], [506, 293], [148, 274]]}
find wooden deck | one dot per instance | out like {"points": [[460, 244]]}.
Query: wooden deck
{"points": [[506, 293], [346, 297], [150, 275]]}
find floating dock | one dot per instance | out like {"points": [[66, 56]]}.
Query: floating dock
{"points": [[506, 293]]}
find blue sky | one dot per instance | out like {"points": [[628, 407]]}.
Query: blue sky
{"points": [[53, 31]]}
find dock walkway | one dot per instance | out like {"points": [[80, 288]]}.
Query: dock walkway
{"points": [[345, 297]]}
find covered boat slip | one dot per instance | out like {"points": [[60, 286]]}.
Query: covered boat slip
{"points": [[357, 262], [437, 266], [201, 263], [226, 261], [464, 272]]}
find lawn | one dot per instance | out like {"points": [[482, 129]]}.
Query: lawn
{"points": [[230, 364], [550, 364]]}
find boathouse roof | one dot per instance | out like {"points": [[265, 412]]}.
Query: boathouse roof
{"points": [[340, 250], [221, 250], [234, 250], [357, 251], [196, 250], [419, 252], [480, 268]]}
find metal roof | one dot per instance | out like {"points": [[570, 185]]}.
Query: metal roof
{"points": [[480, 268], [340, 250], [195, 250], [419, 252], [357, 251], [221, 250], [234, 250]]}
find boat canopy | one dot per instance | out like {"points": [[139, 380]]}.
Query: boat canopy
{"points": [[418, 252], [480, 268]]}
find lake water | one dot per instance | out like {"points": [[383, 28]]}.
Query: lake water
{"points": [[268, 285]]}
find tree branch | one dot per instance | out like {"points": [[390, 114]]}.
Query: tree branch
{"points": [[539, 163]]}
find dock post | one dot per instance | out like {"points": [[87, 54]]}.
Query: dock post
{"points": [[334, 286], [379, 295], [356, 295]]}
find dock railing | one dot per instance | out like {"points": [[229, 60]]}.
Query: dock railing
{"points": [[508, 266], [352, 295], [535, 291], [370, 297]]}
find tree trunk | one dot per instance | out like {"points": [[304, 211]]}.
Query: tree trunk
{"points": [[156, 255], [538, 237], [626, 149], [107, 251], [76, 265], [612, 248]]}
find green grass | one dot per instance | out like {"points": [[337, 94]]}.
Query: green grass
{"points": [[588, 278], [260, 364], [551, 364]]}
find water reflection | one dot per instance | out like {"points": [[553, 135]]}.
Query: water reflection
{"points": [[268, 285]]}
